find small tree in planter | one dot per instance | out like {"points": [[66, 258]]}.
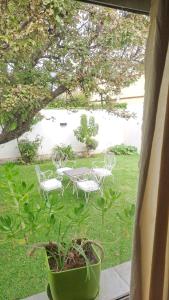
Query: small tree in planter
{"points": [[86, 131], [73, 264]]}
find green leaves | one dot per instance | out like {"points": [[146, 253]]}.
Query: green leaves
{"points": [[9, 226], [123, 149], [130, 211], [107, 201], [28, 149], [24, 216], [86, 130], [51, 219], [104, 204], [77, 221], [6, 223], [79, 214], [101, 203], [126, 216]]}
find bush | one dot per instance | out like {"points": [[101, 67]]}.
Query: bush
{"points": [[64, 152], [123, 149], [28, 149], [91, 144], [86, 131]]}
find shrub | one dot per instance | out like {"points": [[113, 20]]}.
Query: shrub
{"points": [[28, 149], [86, 131], [91, 144], [64, 152], [123, 149]]}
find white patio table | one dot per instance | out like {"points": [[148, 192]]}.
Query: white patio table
{"points": [[78, 172]]}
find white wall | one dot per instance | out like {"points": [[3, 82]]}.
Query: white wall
{"points": [[112, 131]]}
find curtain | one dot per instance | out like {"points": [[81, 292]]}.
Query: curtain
{"points": [[150, 264]]}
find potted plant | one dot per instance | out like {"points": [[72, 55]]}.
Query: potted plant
{"points": [[75, 273], [73, 262]]}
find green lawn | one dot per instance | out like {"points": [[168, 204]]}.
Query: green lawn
{"points": [[22, 276]]}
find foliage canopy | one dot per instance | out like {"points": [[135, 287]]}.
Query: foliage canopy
{"points": [[49, 47]]}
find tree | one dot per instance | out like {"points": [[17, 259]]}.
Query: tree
{"points": [[86, 131], [49, 47]]}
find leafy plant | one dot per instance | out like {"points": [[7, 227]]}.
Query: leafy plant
{"points": [[91, 144], [28, 149], [86, 131], [123, 149], [104, 203], [23, 218], [67, 246], [64, 152], [125, 217], [28, 218], [127, 213]]}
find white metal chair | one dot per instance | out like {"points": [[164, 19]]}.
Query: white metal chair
{"points": [[47, 182], [108, 165], [59, 161], [87, 184]]}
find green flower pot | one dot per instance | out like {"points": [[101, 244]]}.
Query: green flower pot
{"points": [[76, 284]]}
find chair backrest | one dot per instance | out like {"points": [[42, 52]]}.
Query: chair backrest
{"points": [[109, 160]]}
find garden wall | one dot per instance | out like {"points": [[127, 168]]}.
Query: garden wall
{"points": [[57, 127]]}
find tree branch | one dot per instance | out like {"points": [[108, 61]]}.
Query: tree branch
{"points": [[6, 136], [54, 57]]}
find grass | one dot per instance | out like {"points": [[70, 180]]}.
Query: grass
{"points": [[22, 276]]}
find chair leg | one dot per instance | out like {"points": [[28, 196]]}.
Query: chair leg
{"points": [[77, 194], [67, 185], [46, 196], [41, 192], [102, 180], [101, 192], [87, 197], [75, 190]]}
